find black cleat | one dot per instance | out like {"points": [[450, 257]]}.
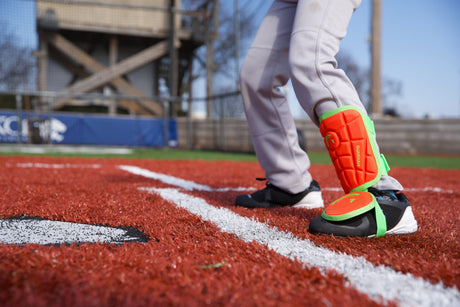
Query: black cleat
{"points": [[271, 197], [395, 206]]}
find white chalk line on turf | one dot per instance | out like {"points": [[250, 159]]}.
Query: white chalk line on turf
{"points": [[186, 184], [52, 165], [190, 185], [425, 189], [375, 281], [178, 182]]}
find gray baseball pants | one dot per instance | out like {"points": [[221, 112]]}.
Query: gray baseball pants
{"points": [[297, 40]]}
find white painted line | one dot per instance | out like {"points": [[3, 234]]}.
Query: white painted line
{"points": [[375, 281], [38, 231], [429, 189], [333, 189], [426, 189], [42, 149], [53, 165], [238, 189], [178, 182], [190, 185]]}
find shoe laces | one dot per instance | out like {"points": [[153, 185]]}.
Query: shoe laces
{"points": [[314, 186], [383, 194]]}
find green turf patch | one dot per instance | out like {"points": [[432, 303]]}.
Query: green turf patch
{"points": [[444, 162], [178, 154]]}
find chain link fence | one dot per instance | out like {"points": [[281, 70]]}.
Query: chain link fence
{"points": [[87, 58], [29, 118]]}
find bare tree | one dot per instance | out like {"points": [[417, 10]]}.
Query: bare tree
{"points": [[16, 63], [224, 45], [360, 77], [224, 53]]}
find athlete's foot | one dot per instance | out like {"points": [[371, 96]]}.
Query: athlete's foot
{"points": [[397, 212], [272, 196]]}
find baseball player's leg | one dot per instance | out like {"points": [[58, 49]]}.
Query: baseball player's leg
{"points": [[264, 70], [330, 99], [318, 29], [321, 87]]}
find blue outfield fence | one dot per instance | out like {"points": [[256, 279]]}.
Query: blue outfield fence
{"points": [[86, 130]]}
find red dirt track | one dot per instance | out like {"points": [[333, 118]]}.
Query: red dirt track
{"points": [[190, 262]]}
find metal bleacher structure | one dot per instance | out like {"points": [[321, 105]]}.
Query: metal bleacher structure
{"points": [[116, 47]]}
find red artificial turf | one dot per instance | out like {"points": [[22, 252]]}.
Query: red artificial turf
{"points": [[432, 253], [188, 262]]}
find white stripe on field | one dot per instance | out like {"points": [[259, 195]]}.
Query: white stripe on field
{"points": [[190, 185], [429, 189], [426, 189], [375, 281], [40, 149], [54, 165], [178, 182]]}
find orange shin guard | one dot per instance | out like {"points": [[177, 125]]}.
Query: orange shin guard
{"points": [[349, 137]]}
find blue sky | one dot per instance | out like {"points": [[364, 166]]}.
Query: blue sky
{"points": [[420, 47], [420, 41]]}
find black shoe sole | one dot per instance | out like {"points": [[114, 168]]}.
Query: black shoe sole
{"points": [[399, 218]]}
